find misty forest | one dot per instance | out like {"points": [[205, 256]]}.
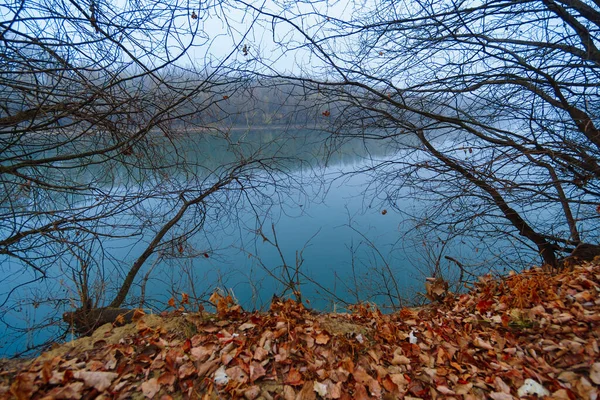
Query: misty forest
{"points": [[330, 152]]}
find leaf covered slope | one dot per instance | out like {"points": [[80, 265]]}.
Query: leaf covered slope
{"points": [[529, 334]]}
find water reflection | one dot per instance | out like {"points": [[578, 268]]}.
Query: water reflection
{"points": [[312, 213]]}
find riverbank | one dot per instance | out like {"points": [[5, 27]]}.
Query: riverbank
{"points": [[529, 333]]}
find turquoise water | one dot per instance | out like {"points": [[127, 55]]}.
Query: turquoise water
{"points": [[353, 243]]}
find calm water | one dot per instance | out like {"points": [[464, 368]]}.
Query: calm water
{"points": [[354, 247]]}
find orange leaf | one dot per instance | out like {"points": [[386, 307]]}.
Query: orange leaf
{"points": [[484, 305], [23, 386], [138, 313], [360, 392], [187, 345], [185, 298], [166, 378], [361, 376], [172, 302], [307, 392], [294, 378], [322, 338], [120, 320]]}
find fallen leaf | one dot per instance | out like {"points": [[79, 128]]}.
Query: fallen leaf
{"points": [[532, 387], [73, 390], [97, 379], [246, 326], [322, 338], [501, 396], [289, 393], [150, 388], [166, 378], [307, 392], [482, 344], [221, 378], [293, 378], [595, 373], [23, 386], [256, 371], [320, 388], [252, 392], [186, 370], [361, 376]]}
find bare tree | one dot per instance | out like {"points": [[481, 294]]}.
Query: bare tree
{"points": [[491, 108], [107, 114]]}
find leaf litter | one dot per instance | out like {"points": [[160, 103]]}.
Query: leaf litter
{"points": [[530, 335]]}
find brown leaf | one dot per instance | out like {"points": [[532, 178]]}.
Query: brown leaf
{"points": [[400, 380], [138, 313], [339, 375], [374, 388], [71, 391], [307, 392], [361, 376], [97, 379], [463, 389], [237, 374], [252, 392], [245, 326], [187, 346], [202, 353], [166, 378], [23, 387], [186, 370], [289, 393], [501, 396], [260, 354], [150, 388], [500, 385], [294, 378], [208, 367], [482, 344], [120, 320], [360, 392], [445, 390], [185, 298], [256, 371], [400, 358], [322, 338], [595, 373]]}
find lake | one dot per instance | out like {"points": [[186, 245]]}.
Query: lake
{"points": [[350, 242]]}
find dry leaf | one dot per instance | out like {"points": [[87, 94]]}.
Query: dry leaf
{"points": [[252, 392], [150, 388], [595, 373], [322, 338], [256, 371], [482, 344], [294, 377], [97, 379]]}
